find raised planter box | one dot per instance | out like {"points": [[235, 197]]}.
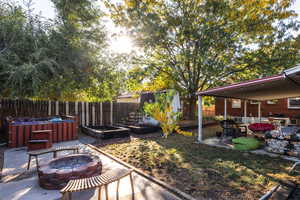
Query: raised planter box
{"points": [[140, 129], [106, 132]]}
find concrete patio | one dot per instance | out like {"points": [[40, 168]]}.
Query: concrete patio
{"points": [[17, 183]]}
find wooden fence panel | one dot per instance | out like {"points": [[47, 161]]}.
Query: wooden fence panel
{"points": [[88, 113]]}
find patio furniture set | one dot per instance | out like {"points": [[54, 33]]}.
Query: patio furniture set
{"points": [[278, 139]]}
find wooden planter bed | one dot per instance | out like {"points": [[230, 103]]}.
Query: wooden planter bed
{"points": [[141, 129], [106, 132], [19, 132]]}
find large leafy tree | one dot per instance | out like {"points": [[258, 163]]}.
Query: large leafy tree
{"points": [[202, 43], [61, 59], [24, 60]]}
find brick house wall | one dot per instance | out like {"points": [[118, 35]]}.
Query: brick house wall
{"points": [[281, 107]]}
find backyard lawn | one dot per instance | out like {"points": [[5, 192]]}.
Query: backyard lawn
{"points": [[201, 170]]}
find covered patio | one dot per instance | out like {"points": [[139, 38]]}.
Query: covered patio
{"points": [[284, 85]]}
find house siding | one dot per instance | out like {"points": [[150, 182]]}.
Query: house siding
{"points": [[281, 107]]}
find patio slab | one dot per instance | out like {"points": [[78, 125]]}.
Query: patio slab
{"points": [[15, 187], [29, 189], [16, 159]]}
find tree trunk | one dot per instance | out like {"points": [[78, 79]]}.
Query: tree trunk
{"points": [[190, 112]]}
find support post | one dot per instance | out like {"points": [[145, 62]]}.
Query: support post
{"points": [[200, 118], [245, 111], [225, 109], [259, 111]]}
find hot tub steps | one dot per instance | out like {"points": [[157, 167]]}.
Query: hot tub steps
{"points": [[42, 135], [38, 144], [40, 139]]}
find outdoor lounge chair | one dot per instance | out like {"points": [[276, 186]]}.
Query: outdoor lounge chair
{"points": [[232, 129]]}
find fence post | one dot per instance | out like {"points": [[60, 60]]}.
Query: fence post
{"points": [[67, 108], [82, 114], [56, 108], [87, 114], [111, 113], [49, 107], [101, 114], [93, 114], [76, 107]]}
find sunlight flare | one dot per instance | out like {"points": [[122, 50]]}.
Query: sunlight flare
{"points": [[122, 44]]}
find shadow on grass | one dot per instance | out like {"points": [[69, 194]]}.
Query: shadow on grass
{"points": [[201, 170], [237, 170]]}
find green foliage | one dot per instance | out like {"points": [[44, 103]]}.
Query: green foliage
{"points": [[162, 111], [24, 60], [61, 59], [201, 44]]}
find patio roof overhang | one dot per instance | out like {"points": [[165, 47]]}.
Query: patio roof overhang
{"points": [[279, 86]]}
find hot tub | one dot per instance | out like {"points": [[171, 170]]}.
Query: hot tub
{"points": [[19, 130], [55, 174], [106, 132]]}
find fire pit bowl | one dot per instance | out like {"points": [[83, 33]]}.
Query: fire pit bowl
{"points": [[55, 174]]}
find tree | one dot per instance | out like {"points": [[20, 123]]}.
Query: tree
{"points": [[61, 59], [201, 44], [24, 60]]}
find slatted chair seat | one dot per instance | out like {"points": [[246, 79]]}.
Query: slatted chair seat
{"points": [[53, 150], [78, 185]]}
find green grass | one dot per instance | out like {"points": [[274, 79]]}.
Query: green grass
{"points": [[201, 170]]}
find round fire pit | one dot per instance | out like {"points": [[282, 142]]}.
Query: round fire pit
{"points": [[55, 174]]}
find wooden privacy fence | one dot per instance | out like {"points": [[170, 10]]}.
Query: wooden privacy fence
{"points": [[88, 113]]}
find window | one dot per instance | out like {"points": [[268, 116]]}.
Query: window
{"points": [[294, 103], [236, 103]]}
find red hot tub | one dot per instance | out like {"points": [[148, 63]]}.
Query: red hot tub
{"points": [[19, 131]]}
